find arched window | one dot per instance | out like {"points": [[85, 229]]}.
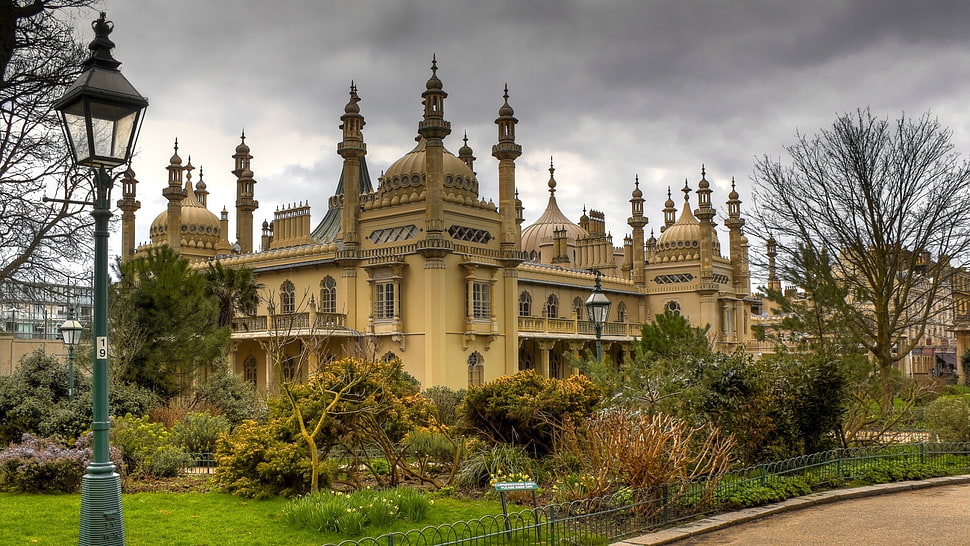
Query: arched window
{"points": [[525, 360], [290, 369], [476, 369], [287, 297], [552, 306], [579, 309], [621, 315], [249, 369], [328, 295], [525, 304], [673, 307]]}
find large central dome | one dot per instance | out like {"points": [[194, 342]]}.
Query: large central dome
{"points": [[408, 175]]}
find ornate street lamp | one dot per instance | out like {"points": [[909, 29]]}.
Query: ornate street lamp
{"points": [[101, 115], [71, 332], [598, 309]]}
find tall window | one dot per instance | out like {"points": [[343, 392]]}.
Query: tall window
{"points": [[385, 300], [525, 304], [328, 295], [476, 369], [249, 369], [481, 300], [290, 369], [621, 315], [579, 309], [287, 297], [552, 306]]}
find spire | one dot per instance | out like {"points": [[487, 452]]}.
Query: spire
{"points": [[552, 179], [734, 220], [705, 211], [670, 212], [200, 190], [434, 126]]}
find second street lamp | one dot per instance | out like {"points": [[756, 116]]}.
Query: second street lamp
{"points": [[101, 113], [71, 332], [598, 309]]}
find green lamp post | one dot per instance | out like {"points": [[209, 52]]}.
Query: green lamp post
{"points": [[71, 332], [598, 309], [101, 114]]}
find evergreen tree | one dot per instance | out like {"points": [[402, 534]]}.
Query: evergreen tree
{"points": [[177, 319]]}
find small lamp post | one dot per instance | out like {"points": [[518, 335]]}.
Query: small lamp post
{"points": [[598, 309], [71, 332], [101, 114]]}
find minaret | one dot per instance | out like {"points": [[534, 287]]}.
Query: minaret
{"points": [[705, 214], [433, 128], [128, 205], [201, 193], [506, 151], [175, 193], [352, 148], [245, 193], [637, 221], [670, 211], [772, 251], [739, 243], [466, 154]]}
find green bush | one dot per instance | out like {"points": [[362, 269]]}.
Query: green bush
{"points": [[37, 465], [198, 432], [147, 447], [527, 409], [235, 398], [447, 402], [261, 461], [948, 418]]}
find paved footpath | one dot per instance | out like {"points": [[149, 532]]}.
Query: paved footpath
{"points": [[932, 512]]}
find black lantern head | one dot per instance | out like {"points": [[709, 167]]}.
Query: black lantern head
{"points": [[101, 112]]}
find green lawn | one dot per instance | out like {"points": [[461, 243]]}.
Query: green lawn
{"points": [[187, 519]]}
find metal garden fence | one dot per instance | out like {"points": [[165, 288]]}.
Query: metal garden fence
{"points": [[631, 512]]}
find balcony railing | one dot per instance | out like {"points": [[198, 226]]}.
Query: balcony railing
{"points": [[576, 327]]}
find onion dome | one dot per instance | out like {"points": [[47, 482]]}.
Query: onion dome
{"points": [[637, 193], [404, 181], [540, 235], [506, 110], [199, 227], [175, 160], [433, 82], [682, 240], [242, 148]]}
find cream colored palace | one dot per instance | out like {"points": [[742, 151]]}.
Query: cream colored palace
{"points": [[424, 268]]}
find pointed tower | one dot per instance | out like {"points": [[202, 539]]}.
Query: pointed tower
{"points": [[738, 242], [175, 193], [128, 205], [352, 148], [201, 193], [245, 193], [506, 151], [670, 211], [705, 214], [772, 252], [433, 129], [636, 221], [466, 154]]}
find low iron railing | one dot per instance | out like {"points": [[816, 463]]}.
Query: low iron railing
{"points": [[632, 512]]}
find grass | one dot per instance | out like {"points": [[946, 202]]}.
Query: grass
{"points": [[190, 519]]}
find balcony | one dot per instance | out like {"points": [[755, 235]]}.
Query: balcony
{"points": [[289, 323], [580, 328]]}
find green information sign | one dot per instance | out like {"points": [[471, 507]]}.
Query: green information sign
{"points": [[516, 486]]}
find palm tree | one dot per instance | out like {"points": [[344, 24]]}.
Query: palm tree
{"points": [[235, 289]]}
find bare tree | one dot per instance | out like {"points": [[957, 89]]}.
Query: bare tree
{"points": [[39, 57], [882, 206]]}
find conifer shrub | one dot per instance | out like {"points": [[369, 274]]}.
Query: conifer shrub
{"points": [[198, 432], [261, 461]]}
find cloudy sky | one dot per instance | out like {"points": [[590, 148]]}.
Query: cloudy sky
{"points": [[610, 90]]}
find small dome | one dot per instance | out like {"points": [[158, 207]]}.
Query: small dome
{"points": [[433, 82], [637, 194], [242, 148]]}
